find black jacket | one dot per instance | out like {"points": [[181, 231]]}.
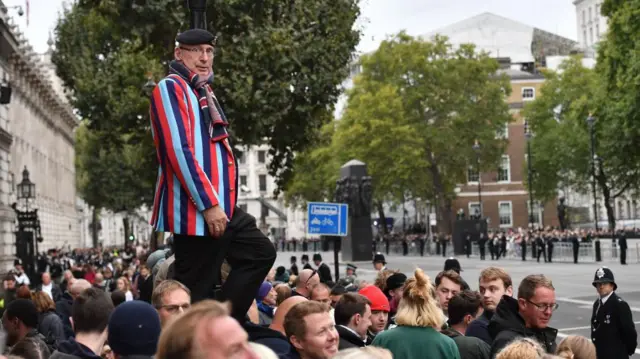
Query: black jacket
{"points": [[63, 308], [469, 347], [612, 329], [272, 339], [56, 293], [507, 324], [348, 339], [479, 328], [325, 273]]}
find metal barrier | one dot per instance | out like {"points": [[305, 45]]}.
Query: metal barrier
{"points": [[562, 251]]}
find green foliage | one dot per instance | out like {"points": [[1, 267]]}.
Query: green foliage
{"points": [[413, 116], [107, 177], [278, 66], [561, 145]]}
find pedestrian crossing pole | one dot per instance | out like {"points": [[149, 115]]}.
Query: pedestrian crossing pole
{"points": [[198, 10]]}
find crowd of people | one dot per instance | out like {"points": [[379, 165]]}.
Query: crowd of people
{"points": [[107, 306]]}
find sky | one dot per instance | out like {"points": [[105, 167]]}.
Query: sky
{"points": [[379, 18]]}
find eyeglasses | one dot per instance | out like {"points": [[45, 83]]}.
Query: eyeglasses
{"points": [[175, 308], [210, 52], [544, 307]]}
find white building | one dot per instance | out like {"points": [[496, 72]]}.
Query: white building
{"points": [[591, 25], [36, 132], [256, 196]]}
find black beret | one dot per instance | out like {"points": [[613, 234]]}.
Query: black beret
{"points": [[196, 37]]}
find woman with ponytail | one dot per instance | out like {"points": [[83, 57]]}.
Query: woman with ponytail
{"points": [[419, 319]]}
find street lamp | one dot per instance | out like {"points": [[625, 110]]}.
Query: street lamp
{"points": [[591, 121], [198, 13], [527, 134], [26, 188], [476, 148]]}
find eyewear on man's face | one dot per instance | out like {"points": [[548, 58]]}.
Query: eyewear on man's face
{"points": [[544, 307], [209, 51]]}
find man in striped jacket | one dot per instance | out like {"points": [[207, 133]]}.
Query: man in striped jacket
{"points": [[196, 190]]}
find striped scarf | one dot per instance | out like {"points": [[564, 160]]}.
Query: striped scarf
{"points": [[209, 105]]}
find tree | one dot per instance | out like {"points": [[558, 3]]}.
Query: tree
{"points": [[452, 98], [109, 178], [561, 149], [278, 66], [415, 111]]}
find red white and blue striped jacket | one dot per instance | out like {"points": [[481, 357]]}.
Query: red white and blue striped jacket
{"points": [[195, 172]]}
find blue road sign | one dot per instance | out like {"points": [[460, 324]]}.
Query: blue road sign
{"points": [[327, 219]]}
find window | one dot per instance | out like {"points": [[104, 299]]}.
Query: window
{"points": [[503, 133], [472, 174], [537, 212], [584, 17], [241, 158], [590, 14], [598, 31], [262, 179], [504, 211], [504, 171], [597, 10], [243, 180], [528, 94], [584, 37], [474, 209], [262, 157], [243, 207], [591, 35]]}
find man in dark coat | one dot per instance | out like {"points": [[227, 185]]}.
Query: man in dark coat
{"points": [[613, 331], [323, 270], [526, 317]]}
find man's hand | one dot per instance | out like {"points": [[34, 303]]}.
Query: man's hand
{"points": [[216, 220]]}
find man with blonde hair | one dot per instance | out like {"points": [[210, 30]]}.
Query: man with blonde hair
{"points": [[493, 283], [171, 299], [205, 331], [311, 330]]}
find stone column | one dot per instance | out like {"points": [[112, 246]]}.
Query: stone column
{"points": [[354, 188]]}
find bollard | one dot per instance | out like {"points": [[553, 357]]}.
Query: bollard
{"points": [[598, 253]]}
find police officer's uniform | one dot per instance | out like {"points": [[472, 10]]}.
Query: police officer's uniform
{"points": [[612, 329]]}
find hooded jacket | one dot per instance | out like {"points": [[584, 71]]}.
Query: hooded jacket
{"points": [[469, 347], [507, 324]]}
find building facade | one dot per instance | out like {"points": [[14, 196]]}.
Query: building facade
{"points": [[591, 25], [38, 130], [256, 196], [504, 196]]}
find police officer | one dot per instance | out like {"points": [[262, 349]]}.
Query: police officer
{"points": [[379, 263], [612, 329]]}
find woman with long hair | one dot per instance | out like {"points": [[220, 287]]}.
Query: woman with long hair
{"points": [[124, 285], [419, 319], [49, 323]]}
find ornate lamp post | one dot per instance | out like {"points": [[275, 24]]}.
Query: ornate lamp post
{"points": [[592, 134], [28, 233], [198, 13], [476, 148], [527, 134]]}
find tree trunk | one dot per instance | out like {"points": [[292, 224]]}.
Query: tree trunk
{"points": [[443, 205], [606, 197], [94, 227], [127, 230], [382, 227]]}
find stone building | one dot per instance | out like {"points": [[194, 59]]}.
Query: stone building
{"points": [[37, 133], [590, 23]]}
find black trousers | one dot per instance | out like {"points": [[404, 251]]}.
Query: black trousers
{"points": [[247, 250], [623, 255]]}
